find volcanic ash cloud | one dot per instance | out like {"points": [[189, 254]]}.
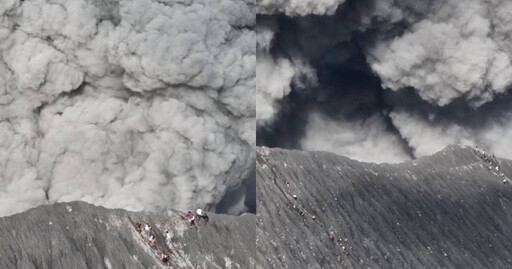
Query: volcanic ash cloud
{"points": [[131, 104]]}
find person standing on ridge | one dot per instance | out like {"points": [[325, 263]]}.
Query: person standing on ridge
{"points": [[200, 215], [168, 237], [147, 228], [191, 218], [152, 240], [164, 257]]}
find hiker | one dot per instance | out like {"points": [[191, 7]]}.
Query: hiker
{"points": [[147, 228], [164, 257], [191, 218], [152, 240], [182, 216], [333, 236], [200, 215], [138, 227], [168, 237]]}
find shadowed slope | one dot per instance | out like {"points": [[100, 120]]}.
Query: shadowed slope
{"points": [[443, 211]]}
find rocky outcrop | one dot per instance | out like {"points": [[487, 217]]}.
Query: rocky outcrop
{"points": [[448, 210], [80, 235]]}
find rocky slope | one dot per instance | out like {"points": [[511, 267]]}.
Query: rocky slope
{"points": [[448, 210], [80, 235]]}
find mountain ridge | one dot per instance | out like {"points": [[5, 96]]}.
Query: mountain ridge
{"points": [[81, 235], [447, 210]]}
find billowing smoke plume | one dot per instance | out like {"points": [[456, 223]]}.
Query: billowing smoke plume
{"points": [[276, 85], [275, 75], [393, 79], [134, 104], [298, 7], [429, 129], [458, 49], [364, 140]]}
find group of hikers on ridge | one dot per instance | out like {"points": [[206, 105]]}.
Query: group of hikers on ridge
{"points": [[148, 232], [491, 162], [199, 215]]}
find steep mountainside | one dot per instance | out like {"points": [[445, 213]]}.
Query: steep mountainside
{"points": [[80, 235], [319, 210]]}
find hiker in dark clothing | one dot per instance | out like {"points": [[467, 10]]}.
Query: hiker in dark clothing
{"points": [[164, 257], [138, 227], [201, 215]]}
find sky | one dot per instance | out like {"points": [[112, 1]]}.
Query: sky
{"points": [[138, 104], [384, 80]]}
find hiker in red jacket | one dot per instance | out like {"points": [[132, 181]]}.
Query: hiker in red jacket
{"points": [[164, 257], [191, 218]]}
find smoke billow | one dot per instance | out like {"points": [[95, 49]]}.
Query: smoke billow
{"points": [[129, 104], [388, 80], [364, 140], [298, 7]]}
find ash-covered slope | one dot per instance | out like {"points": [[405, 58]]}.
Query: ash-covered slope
{"points": [[447, 210], [80, 235]]}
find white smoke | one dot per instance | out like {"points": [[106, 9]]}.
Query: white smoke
{"points": [[365, 140], [454, 51], [454, 55], [428, 133], [132, 104], [275, 76], [298, 7], [273, 83]]}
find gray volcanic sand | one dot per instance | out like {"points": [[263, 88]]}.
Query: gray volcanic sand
{"points": [[80, 235], [442, 211]]}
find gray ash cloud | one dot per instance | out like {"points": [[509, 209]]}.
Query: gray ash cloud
{"points": [[127, 104], [385, 81]]}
